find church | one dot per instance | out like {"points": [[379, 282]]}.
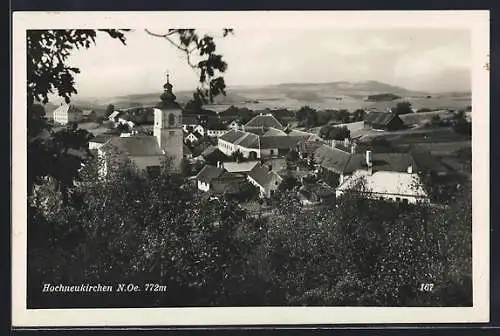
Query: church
{"points": [[145, 151]]}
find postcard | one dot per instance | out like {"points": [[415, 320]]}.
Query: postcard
{"points": [[250, 168]]}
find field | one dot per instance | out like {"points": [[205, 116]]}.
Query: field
{"points": [[320, 96]]}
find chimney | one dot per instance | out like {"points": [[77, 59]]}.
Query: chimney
{"points": [[346, 142], [220, 164], [353, 148], [369, 161], [410, 169]]}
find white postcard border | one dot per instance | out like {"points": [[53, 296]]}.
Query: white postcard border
{"points": [[476, 21]]}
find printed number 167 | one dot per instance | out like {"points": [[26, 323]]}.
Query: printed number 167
{"points": [[426, 287]]}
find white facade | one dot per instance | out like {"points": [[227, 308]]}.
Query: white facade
{"points": [[191, 138], [216, 133], [203, 186], [387, 185]]}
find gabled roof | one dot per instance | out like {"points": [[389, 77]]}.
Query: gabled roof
{"points": [[249, 140], [240, 167], [280, 142], [262, 175], [273, 132], [232, 136], [102, 138], [380, 118], [134, 145], [331, 158], [265, 121], [208, 173]]}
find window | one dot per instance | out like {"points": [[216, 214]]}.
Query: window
{"points": [[398, 199], [272, 152], [405, 201], [171, 119]]}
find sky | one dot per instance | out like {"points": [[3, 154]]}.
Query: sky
{"points": [[431, 60]]}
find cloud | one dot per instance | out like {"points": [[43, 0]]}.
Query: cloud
{"points": [[259, 57]]}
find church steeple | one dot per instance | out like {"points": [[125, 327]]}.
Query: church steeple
{"points": [[168, 97]]}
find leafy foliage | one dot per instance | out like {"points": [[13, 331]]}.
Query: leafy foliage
{"points": [[402, 108], [330, 132]]}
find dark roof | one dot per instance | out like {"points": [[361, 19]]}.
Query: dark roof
{"points": [[264, 120], [249, 140], [332, 158], [380, 118], [189, 120], [425, 161], [217, 126], [208, 173], [232, 136], [102, 138], [281, 142], [134, 145], [308, 147], [262, 175], [213, 153]]}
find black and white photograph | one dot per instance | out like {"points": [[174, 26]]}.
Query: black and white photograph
{"points": [[250, 167]]}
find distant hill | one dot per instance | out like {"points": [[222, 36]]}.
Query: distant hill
{"points": [[336, 95]]}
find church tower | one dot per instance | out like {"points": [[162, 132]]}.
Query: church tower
{"points": [[168, 126]]}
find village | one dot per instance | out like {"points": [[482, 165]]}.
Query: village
{"points": [[409, 158]]}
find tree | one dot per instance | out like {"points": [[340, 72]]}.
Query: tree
{"points": [[402, 108], [358, 115], [330, 132], [109, 109]]}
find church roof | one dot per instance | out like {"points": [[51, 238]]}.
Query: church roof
{"points": [[134, 145]]}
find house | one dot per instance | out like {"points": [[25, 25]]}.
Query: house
{"points": [[217, 179], [387, 176], [234, 125], [215, 133], [262, 122], [99, 140], [113, 117], [212, 154], [192, 137], [67, 113], [206, 175], [264, 178], [316, 193], [386, 121], [253, 146], [199, 129], [240, 167], [189, 122]]}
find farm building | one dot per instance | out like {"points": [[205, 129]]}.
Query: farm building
{"points": [[386, 121]]}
